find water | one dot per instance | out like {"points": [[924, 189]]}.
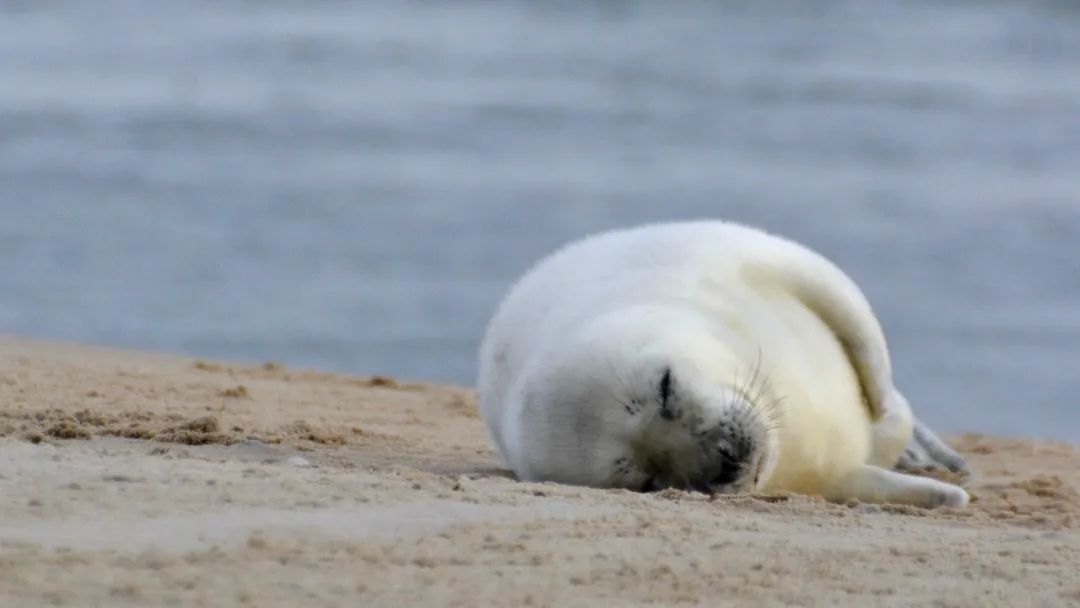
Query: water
{"points": [[354, 185]]}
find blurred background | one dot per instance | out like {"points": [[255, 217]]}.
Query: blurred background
{"points": [[353, 186]]}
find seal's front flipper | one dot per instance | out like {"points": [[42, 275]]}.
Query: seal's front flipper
{"points": [[831, 295], [925, 451], [826, 291], [872, 484]]}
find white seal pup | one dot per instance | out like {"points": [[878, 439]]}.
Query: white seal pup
{"points": [[706, 356]]}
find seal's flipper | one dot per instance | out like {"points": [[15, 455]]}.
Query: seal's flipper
{"points": [[868, 483], [926, 451], [840, 304], [826, 291]]}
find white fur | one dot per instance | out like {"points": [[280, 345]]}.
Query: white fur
{"points": [[587, 327]]}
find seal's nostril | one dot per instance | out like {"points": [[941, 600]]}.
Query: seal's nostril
{"points": [[726, 476]]}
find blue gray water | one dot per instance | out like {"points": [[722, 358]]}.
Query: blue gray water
{"points": [[354, 185]]}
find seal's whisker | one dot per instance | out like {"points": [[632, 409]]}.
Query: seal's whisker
{"points": [[618, 378]]}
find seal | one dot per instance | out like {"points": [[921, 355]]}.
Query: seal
{"points": [[706, 356]]}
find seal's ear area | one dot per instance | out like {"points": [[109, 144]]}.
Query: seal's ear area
{"points": [[827, 292]]}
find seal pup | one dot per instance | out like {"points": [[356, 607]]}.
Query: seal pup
{"points": [[705, 356]]}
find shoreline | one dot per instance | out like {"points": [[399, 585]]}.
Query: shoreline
{"points": [[145, 478]]}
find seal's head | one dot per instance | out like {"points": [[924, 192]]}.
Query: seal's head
{"points": [[685, 430], [651, 400]]}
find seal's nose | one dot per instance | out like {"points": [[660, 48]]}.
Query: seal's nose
{"points": [[716, 474], [716, 469]]}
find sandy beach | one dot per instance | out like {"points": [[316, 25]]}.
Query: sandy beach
{"points": [[136, 479]]}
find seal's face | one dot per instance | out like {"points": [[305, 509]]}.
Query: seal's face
{"points": [[647, 399], [689, 434]]}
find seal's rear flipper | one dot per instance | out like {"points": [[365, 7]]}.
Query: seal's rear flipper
{"points": [[926, 452]]}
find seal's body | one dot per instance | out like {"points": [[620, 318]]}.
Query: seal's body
{"points": [[705, 355]]}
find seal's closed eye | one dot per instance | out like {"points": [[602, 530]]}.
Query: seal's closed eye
{"points": [[665, 389]]}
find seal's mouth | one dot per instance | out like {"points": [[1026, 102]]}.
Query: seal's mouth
{"points": [[701, 462], [724, 482]]}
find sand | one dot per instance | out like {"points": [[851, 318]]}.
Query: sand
{"points": [[134, 479]]}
